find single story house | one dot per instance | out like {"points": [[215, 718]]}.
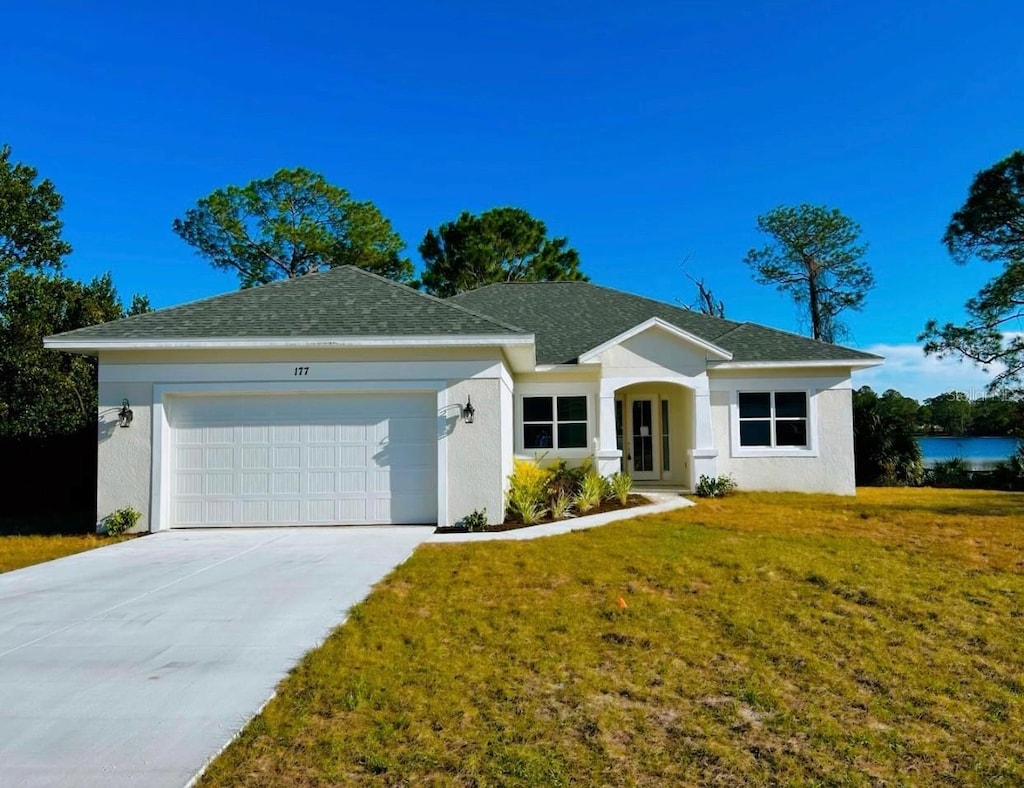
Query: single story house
{"points": [[343, 398]]}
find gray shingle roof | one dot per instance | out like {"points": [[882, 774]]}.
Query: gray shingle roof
{"points": [[570, 318], [344, 301], [567, 318]]}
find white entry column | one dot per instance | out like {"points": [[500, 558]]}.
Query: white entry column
{"points": [[607, 456], [703, 455]]}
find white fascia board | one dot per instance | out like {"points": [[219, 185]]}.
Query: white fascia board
{"points": [[521, 357], [860, 363], [656, 322], [264, 343]]}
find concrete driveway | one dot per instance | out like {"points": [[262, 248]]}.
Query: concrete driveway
{"points": [[135, 664]]}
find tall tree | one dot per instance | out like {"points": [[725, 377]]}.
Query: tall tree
{"points": [[705, 303], [814, 256], [950, 412], [989, 226], [43, 392], [30, 226], [290, 224], [885, 451], [499, 245], [139, 305]]}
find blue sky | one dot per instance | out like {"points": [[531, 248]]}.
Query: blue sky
{"points": [[647, 132]]}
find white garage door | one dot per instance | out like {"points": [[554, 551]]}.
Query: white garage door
{"points": [[303, 460]]}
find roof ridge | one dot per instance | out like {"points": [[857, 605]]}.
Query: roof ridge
{"points": [[734, 324], [437, 300]]}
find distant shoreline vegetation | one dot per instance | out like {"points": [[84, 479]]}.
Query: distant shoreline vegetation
{"points": [[952, 440]]}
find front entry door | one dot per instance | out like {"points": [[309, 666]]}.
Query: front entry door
{"points": [[643, 461]]}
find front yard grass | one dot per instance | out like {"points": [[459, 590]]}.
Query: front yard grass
{"points": [[766, 639], [17, 551]]}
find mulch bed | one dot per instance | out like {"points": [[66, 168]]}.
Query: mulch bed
{"points": [[512, 525]]}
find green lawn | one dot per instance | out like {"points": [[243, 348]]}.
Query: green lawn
{"points": [[17, 551], [781, 639]]}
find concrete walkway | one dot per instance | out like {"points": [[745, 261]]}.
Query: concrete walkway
{"points": [[134, 664]]}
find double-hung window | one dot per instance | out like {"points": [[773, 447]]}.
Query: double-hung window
{"points": [[555, 422], [773, 419]]}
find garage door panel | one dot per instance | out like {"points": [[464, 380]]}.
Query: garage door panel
{"points": [[304, 459], [352, 456], [189, 458], [219, 458], [285, 457], [416, 455], [255, 512], [322, 482], [219, 484], [352, 482], [286, 512], [413, 480], [420, 430], [322, 457], [352, 510], [407, 509], [190, 483], [256, 457]]}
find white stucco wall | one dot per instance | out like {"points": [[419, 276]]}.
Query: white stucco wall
{"points": [[123, 454], [477, 457], [652, 353], [829, 468], [476, 464]]}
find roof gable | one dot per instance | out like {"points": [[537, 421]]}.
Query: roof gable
{"points": [[712, 350], [342, 302]]}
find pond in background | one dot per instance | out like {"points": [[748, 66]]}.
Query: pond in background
{"points": [[979, 452]]}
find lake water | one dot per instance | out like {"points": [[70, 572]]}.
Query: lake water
{"points": [[979, 452]]}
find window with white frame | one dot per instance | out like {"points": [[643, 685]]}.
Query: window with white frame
{"points": [[773, 419], [555, 422]]}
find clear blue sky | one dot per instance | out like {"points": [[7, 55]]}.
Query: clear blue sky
{"points": [[645, 132]]}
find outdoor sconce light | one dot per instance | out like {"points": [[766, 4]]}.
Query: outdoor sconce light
{"points": [[468, 411], [125, 415]]}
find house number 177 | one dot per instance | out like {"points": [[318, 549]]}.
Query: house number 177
{"points": [[300, 371]]}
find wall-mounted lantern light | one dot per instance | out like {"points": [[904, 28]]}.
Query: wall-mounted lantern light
{"points": [[468, 411], [125, 415]]}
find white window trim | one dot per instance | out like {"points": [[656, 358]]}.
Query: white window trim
{"points": [[737, 450], [554, 451]]}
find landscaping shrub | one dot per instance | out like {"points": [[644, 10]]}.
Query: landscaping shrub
{"points": [[621, 485], [475, 520], [527, 495], [121, 521], [1009, 474], [715, 487], [950, 473], [591, 492], [561, 506], [886, 452], [565, 480]]}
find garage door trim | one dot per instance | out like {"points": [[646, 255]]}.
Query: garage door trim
{"points": [[160, 514]]}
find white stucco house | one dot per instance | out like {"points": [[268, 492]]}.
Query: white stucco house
{"points": [[344, 398]]}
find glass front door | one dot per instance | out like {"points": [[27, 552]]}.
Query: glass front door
{"points": [[643, 440]]}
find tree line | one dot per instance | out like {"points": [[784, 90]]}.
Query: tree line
{"points": [[952, 413], [886, 427], [294, 223]]}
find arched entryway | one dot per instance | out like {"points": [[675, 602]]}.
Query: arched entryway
{"points": [[654, 430]]}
